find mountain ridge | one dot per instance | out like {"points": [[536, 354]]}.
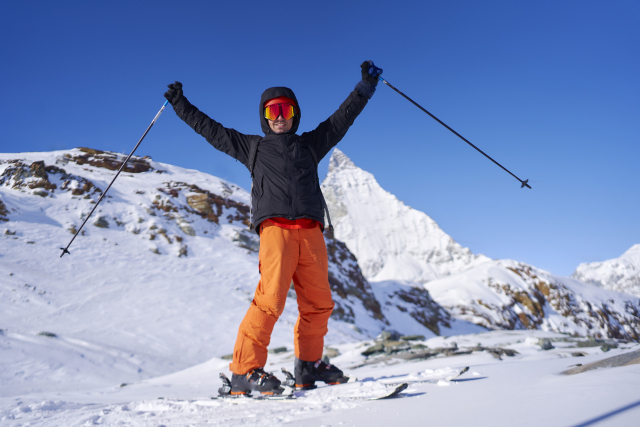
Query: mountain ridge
{"points": [[374, 225]]}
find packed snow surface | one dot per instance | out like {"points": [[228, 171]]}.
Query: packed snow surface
{"points": [[527, 389]]}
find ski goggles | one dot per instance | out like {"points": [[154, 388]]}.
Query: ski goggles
{"points": [[287, 111]]}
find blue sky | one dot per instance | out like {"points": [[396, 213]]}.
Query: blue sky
{"points": [[548, 88]]}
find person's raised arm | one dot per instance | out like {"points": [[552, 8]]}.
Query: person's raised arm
{"points": [[332, 130], [228, 141]]}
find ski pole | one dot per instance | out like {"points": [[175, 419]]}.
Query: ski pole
{"points": [[524, 183], [65, 250]]}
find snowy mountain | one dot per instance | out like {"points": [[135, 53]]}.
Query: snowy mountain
{"points": [[620, 274], [506, 294], [395, 242], [391, 240]]}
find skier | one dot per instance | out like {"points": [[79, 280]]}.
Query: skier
{"points": [[288, 212]]}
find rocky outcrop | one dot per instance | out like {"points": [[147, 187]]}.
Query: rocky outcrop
{"points": [[41, 179], [421, 307], [204, 203], [4, 212], [349, 285], [626, 359], [110, 160], [511, 295]]}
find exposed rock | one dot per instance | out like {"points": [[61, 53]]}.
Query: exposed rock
{"points": [[182, 251], [277, 350], [591, 342], [101, 222], [412, 337], [387, 335], [247, 240], [187, 228], [37, 169], [545, 344], [330, 352], [349, 285], [47, 334], [110, 160], [20, 176], [607, 347], [526, 300], [4, 212], [387, 350], [200, 202], [423, 308], [374, 349], [207, 204], [626, 359]]}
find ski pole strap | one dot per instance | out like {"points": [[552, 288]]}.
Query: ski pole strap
{"points": [[524, 183], [324, 203]]}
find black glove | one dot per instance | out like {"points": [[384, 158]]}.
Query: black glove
{"points": [[174, 94], [367, 86], [370, 72]]}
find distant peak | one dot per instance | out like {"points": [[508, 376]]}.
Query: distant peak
{"points": [[340, 161], [633, 249]]}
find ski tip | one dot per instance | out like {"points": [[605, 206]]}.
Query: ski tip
{"points": [[394, 393]]}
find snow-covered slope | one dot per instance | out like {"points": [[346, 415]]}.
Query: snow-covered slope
{"points": [[619, 274], [507, 294], [167, 255], [391, 240], [152, 293], [494, 392]]}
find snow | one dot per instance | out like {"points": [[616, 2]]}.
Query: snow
{"points": [[526, 389], [620, 274], [391, 240], [128, 326]]}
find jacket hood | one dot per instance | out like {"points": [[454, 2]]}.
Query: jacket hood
{"points": [[274, 92]]}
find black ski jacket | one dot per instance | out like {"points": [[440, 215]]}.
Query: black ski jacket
{"points": [[284, 167]]}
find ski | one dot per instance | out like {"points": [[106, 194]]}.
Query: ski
{"points": [[393, 393], [408, 380], [462, 371]]}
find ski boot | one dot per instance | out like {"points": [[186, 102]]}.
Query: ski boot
{"points": [[255, 380], [307, 373]]}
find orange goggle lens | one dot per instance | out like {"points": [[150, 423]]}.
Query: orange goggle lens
{"points": [[271, 112]]}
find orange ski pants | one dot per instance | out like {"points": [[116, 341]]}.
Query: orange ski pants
{"points": [[285, 254]]}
